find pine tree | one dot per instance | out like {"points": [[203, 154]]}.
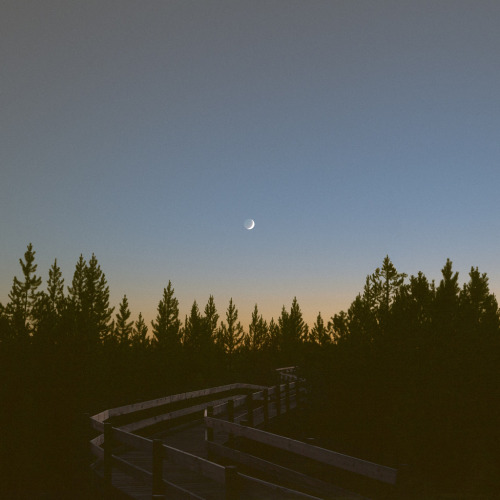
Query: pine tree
{"points": [[282, 325], [365, 310], [231, 334], [274, 335], [446, 303], [478, 307], [139, 337], [211, 318], [384, 285], [23, 296], [371, 292], [95, 301], [258, 332], [319, 333], [166, 328], [89, 302], [196, 335], [386, 282], [411, 311], [123, 327], [76, 290], [339, 326], [293, 330], [51, 308], [55, 289]]}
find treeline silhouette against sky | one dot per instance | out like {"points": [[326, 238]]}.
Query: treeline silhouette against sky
{"points": [[408, 374], [348, 130]]}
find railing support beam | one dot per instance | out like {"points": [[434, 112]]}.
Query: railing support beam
{"points": [[277, 393], [265, 393], [249, 401], [157, 468], [230, 418], [209, 433], [108, 458], [231, 483]]}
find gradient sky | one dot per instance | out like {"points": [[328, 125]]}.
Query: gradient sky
{"points": [[148, 131]]}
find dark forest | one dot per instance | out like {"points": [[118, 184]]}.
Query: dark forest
{"points": [[409, 374]]}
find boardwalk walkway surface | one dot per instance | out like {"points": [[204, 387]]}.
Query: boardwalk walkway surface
{"points": [[187, 440], [181, 481]]}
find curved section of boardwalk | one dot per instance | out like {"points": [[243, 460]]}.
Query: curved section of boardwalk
{"points": [[173, 462], [190, 436]]}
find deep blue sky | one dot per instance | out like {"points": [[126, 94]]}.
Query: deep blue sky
{"points": [[148, 131]]}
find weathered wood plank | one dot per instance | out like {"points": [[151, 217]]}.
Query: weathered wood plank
{"points": [[96, 450], [132, 440], [220, 406], [286, 369], [97, 424], [174, 398], [280, 473], [194, 463], [123, 410], [180, 482], [132, 487], [272, 411], [132, 470], [274, 489], [101, 417], [191, 410], [369, 469], [175, 491]]}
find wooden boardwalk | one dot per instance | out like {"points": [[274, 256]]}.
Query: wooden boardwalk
{"points": [[189, 456]]}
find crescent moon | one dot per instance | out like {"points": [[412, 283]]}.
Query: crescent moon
{"points": [[249, 224]]}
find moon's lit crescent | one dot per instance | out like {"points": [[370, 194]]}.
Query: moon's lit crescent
{"points": [[249, 224]]}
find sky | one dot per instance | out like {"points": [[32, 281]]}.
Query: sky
{"points": [[147, 132]]}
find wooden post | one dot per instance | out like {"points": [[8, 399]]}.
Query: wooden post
{"points": [[230, 410], [230, 418], [265, 393], [108, 458], [209, 432], [249, 400], [287, 396], [277, 393], [231, 482], [157, 468]]}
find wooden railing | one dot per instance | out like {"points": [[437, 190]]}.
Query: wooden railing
{"points": [[159, 452], [97, 421], [275, 400], [237, 416], [289, 396], [287, 374]]}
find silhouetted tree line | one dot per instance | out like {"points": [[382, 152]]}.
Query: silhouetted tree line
{"points": [[408, 374], [82, 316], [413, 377]]}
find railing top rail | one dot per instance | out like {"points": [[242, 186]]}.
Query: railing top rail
{"points": [[144, 405], [286, 368], [357, 465]]}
